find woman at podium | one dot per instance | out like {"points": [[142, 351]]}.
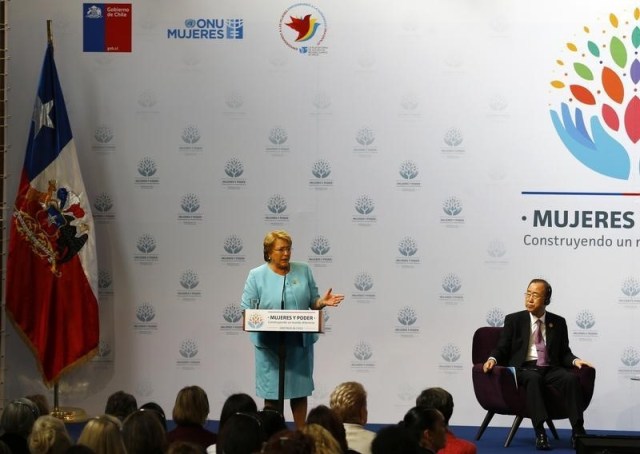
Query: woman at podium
{"points": [[283, 284]]}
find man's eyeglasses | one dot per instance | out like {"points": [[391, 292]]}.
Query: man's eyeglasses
{"points": [[535, 296]]}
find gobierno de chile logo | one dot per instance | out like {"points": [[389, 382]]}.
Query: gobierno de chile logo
{"points": [[303, 27], [598, 85]]}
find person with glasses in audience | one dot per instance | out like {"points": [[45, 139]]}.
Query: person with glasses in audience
{"points": [[283, 284], [536, 343]]}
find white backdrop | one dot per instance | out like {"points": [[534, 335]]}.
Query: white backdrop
{"points": [[399, 159]]}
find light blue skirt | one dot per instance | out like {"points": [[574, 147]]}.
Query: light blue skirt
{"points": [[298, 377]]}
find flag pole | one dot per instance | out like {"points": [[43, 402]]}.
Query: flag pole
{"points": [[49, 32]]}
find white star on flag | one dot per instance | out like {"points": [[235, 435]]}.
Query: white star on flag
{"points": [[41, 115]]}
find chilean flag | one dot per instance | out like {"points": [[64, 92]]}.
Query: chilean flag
{"points": [[52, 268]]}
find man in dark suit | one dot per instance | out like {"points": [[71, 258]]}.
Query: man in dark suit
{"points": [[536, 343]]}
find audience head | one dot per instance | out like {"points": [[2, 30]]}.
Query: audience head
{"points": [[349, 401], [395, 439], [242, 434], [427, 427], [328, 419], [236, 403], [272, 421], [142, 433], [103, 435], [159, 412], [18, 417], [41, 402], [437, 398], [185, 447], [324, 442], [49, 436], [120, 404], [289, 442], [191, 407]]}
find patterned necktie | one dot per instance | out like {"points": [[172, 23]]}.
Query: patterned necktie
{"points": [[540, 346]]}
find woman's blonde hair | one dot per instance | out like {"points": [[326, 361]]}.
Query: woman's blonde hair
{"points": [[324, 442], [191, 407], [49, 436], [102, 434]]}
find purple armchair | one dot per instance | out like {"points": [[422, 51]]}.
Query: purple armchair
{"points": [[496, 391]]}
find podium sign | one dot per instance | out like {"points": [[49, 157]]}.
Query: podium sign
{"points": [[269, 320]]}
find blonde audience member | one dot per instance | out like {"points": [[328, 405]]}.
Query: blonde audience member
{"points": [[49, 436], [323, 440], [103, 435]]}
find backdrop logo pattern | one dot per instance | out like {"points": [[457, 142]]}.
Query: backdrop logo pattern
{"points": [[146, 245], [452, 208], [103, 137], [365, 137], [103, 205], [320, 247], [321, 170], [233, 169], [363, 282], [276, 206], [450, 354], [453, 143], [232, 317], [364, 206], [407, 317], [408, 249], [233, 246], [630, 289], [189, 281], [451, 285], [104, 353], [145, 313], [495, 317], [630, 358], [585, 321], [188, 350], [303, 28], [278, 137], [598, 84], [147, 169], [190, 137], [496, 253], [408, 171], [190, 204]]}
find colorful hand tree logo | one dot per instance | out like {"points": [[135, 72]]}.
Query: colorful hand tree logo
{"points": [[603, 84]]}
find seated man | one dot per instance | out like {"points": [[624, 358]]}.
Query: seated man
{"points": [[349, 401], [536, 343], [442, 400]]}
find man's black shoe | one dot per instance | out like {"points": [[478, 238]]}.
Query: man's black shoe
{"points": [[542, 444]]}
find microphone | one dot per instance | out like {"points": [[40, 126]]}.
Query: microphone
{"points": [[284, 282]]}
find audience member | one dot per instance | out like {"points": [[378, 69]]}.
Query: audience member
{"points": [[349, 401], [272, 421], [17, 421], [41, 402], [427, 427], [185, 447], [328, 419], [442, 400], [322, 438], [49, 436], [289, 442], [190, 413], [103, 435], [241, 434], [142, 433], [236, 403], [120, 404], [154, 407], [4, 449], [395, 439]]}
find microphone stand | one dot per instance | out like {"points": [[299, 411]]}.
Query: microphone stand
{"points": [[282, 354]]}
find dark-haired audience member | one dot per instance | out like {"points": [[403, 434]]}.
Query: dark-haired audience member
{"points": [[190, 413], [349, 401], [442, 400], [120, 404], [427, 427], [103, 435], [328, 419], [17, 421], [322, 438], [41, 402], [235, 403], [289, 442], [154, 407], [272, 421], [49, 436], [185, 447], [394, 439], [142, 433], [241, 434]]}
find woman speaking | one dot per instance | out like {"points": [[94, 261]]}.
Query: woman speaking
{"points": [[281, 283]]}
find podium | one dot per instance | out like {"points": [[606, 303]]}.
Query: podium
{"points": [[282, 321]]}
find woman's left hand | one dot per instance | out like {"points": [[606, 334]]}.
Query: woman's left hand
{"points": [[331, 299]]}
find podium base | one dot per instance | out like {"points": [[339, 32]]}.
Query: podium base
{"points": [[70, 414]]}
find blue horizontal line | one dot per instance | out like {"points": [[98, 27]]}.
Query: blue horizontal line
{"points": [[615, 194]]}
